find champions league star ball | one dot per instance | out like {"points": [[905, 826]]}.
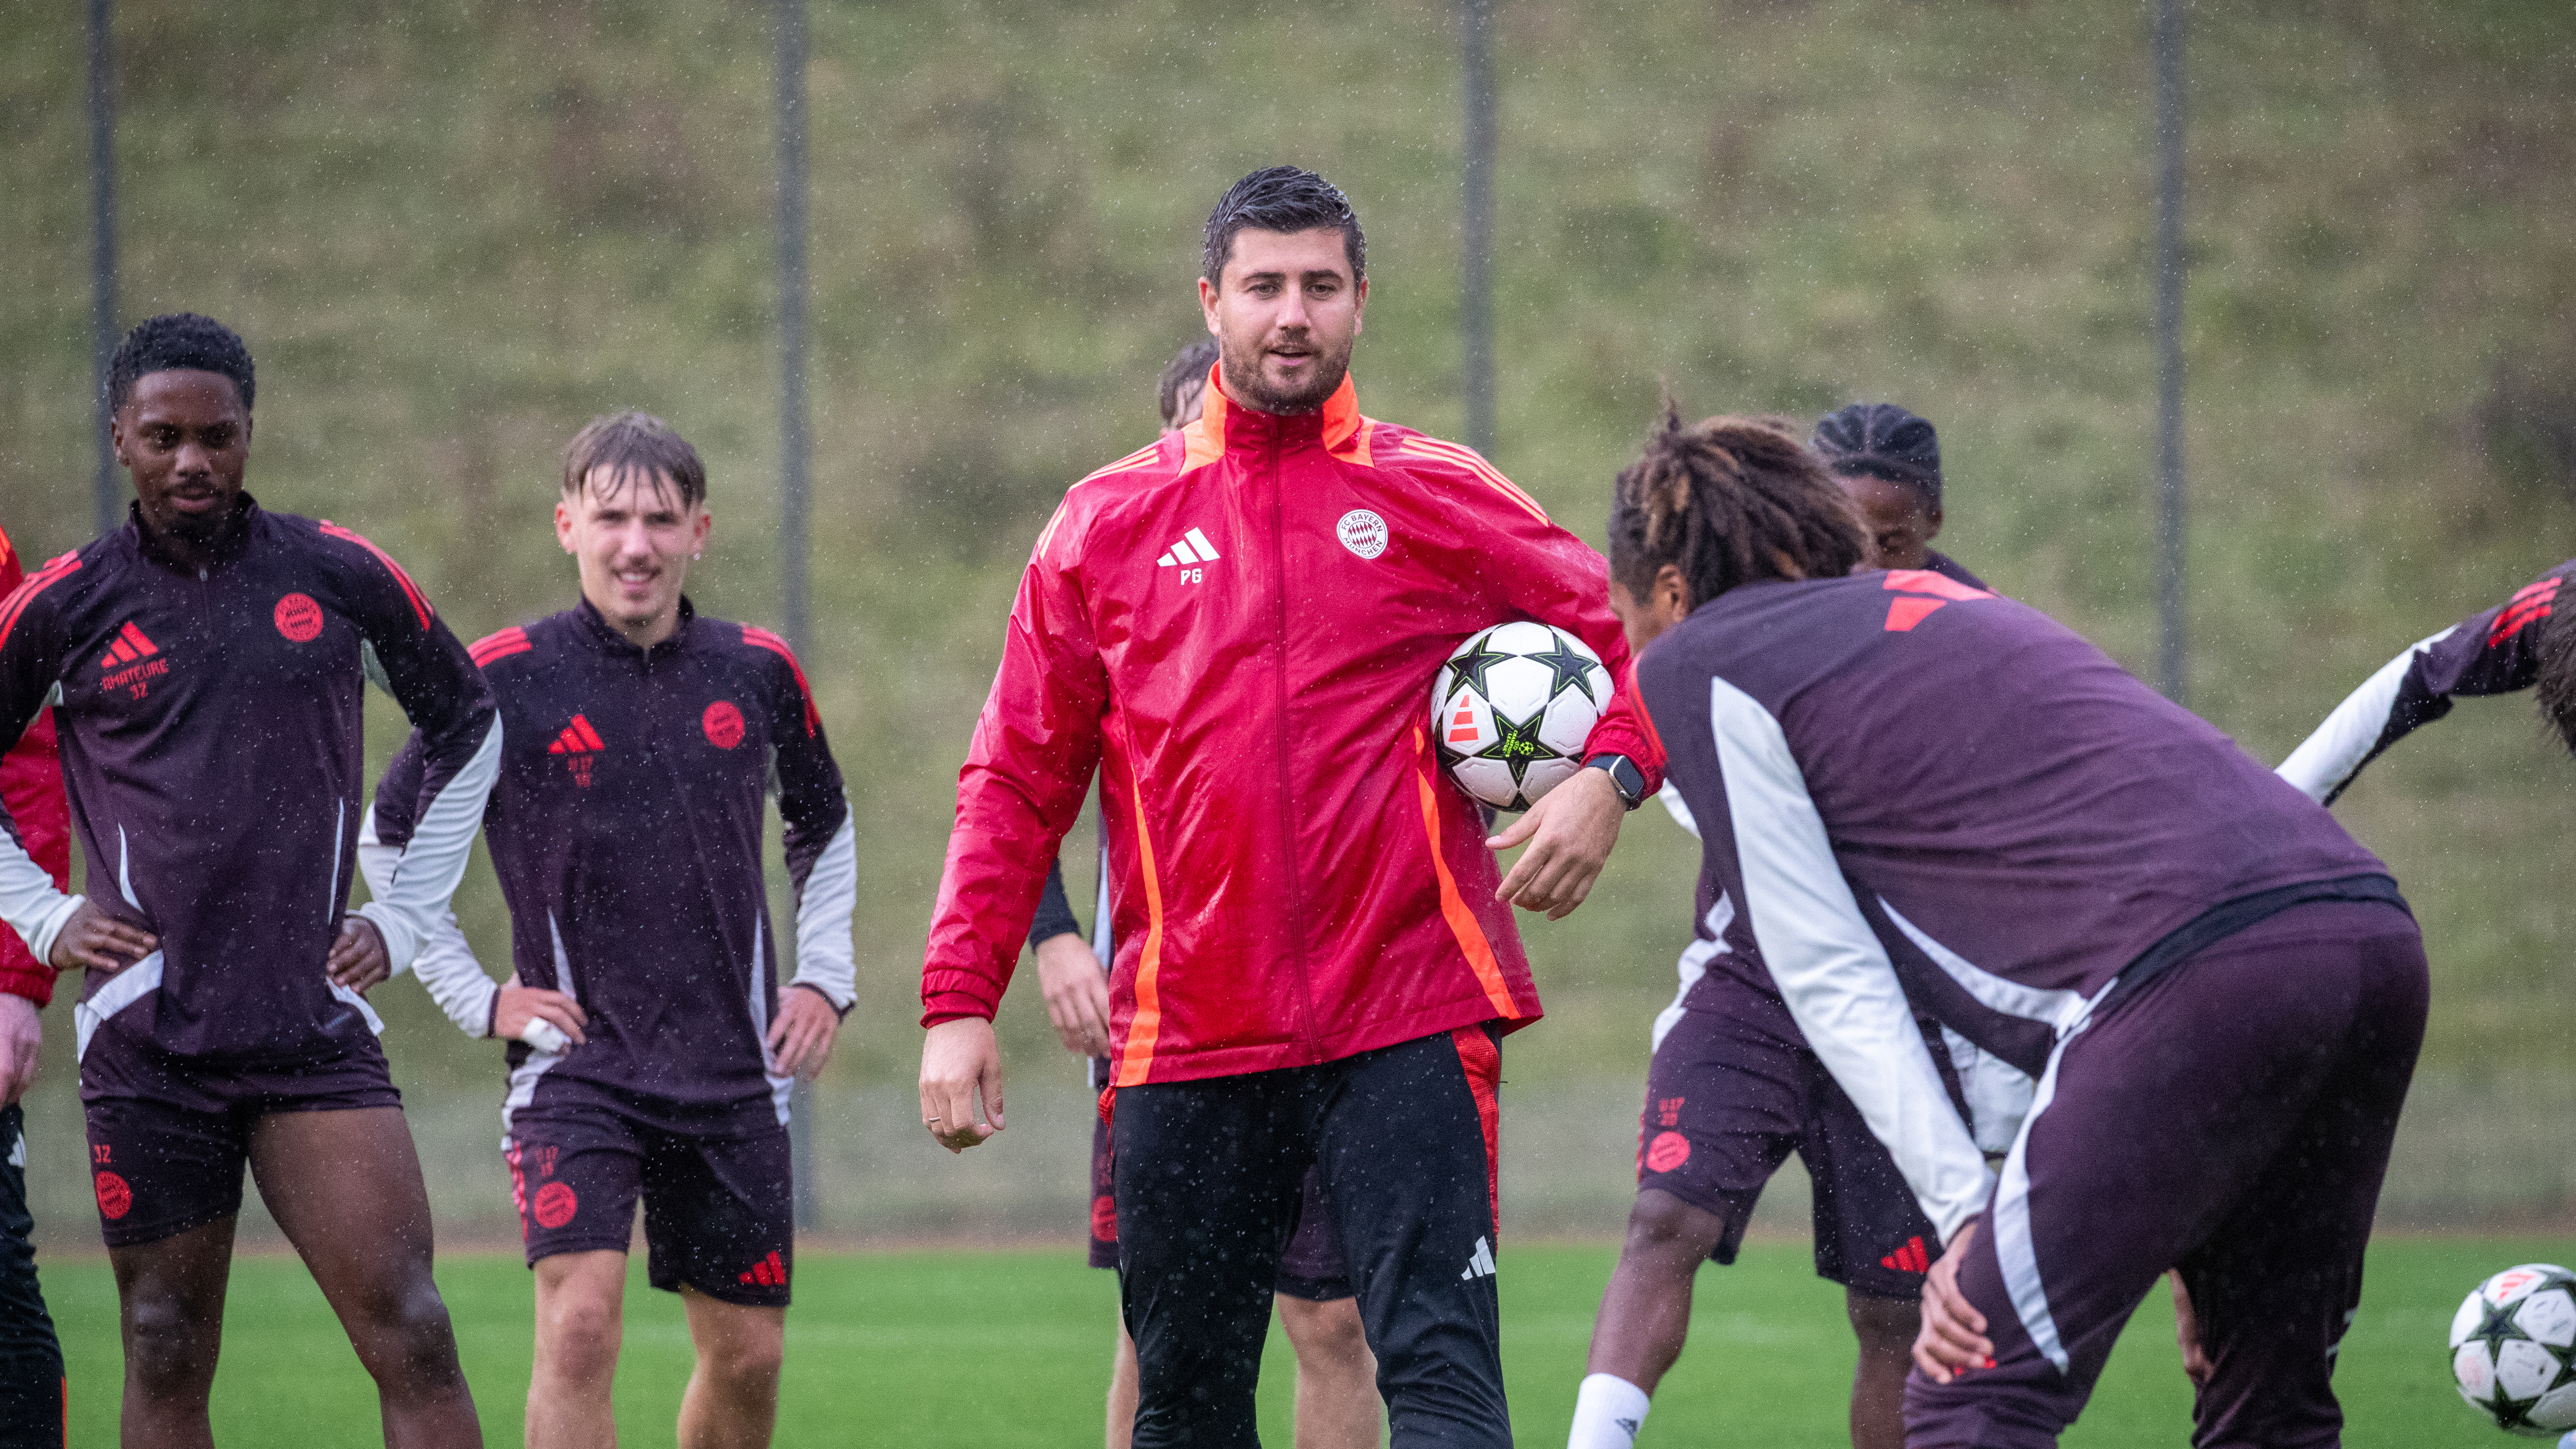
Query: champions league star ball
{"points": [[2513, 1349], [1512, 708]]}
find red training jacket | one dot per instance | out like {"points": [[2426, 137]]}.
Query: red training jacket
{"points": [[31, 781], [1239, 625]]}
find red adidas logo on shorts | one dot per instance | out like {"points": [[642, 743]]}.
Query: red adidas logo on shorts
{"points": [[1909, 1259], [769, 1272]]}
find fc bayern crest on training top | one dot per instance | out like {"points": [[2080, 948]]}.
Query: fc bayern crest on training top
{"points": [[1362, 532]]}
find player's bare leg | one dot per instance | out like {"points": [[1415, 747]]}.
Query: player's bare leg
{"points": [[1645, 1312], [581, 1317], [170, 1297], [1886, 1328], [732, 1399], [1337, 1402], [346, 1188], [1122, 1391]]}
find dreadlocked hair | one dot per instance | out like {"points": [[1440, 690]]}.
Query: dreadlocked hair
{"points": [[1729, 501], [2556, 686]]}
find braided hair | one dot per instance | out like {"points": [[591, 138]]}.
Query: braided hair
{"points": [[1729, 501], [2556, 685]]}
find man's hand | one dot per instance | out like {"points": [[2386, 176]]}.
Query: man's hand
{"points": [[800, 1040], [958, 1058], [358, 960], [1570, 832], [2195, 1358], [22, 1031], [1077, 994], [93, 940], [518, 1005], [1953, 1337]]}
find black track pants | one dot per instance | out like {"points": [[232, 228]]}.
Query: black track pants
{"points": [[1208, 1179], [31, 1362]]}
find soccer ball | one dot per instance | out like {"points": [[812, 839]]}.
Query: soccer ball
{"points": [[2513, 1349], [1512, 708]]}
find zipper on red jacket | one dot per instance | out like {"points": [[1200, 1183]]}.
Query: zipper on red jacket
{"points": [[1313, 1038]]}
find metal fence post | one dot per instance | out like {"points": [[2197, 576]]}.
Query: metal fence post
{"points": [[2171, 659], [1476, 300], [795, 458], [106, 494]]}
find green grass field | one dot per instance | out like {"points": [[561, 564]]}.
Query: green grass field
{"points": [[992, 1349]]}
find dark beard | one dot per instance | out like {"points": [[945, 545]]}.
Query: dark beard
{"points": [[1243, 382]]}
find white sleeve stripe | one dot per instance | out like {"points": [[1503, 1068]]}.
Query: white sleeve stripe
{"points": [[825, 959], [426, 874], [2327, 758], [2060, 1009], [445, 963], [28, 900], [1830, 968]]}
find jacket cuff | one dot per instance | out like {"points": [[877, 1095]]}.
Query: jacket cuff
{"points": [[951, 1004], [35, 983], [402, 938]]}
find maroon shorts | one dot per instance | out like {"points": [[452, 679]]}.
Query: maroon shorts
{"points": [[1313, 1267], [169, 1135], [719, 1212], [1732, 1092]]}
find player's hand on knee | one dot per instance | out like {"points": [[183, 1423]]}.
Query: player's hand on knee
{"points": [[96, 941], [1953, 1337], [1077, 994], [517, 1008], [358, 960], [1570, 832], [800, 1040], [2195, 1358], [958, 1059]]}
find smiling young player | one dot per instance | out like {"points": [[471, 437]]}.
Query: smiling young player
{"points": [[1238, 626], [2220, 993], [211, 659], [654, 1045]]}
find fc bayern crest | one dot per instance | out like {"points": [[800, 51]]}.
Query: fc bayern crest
{"points": [[1362, 532]]}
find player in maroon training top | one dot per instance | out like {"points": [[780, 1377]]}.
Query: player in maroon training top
{"points": [[652, 1044], [2528, 640], [1889, 463], [209, 659], [1922, 795]]}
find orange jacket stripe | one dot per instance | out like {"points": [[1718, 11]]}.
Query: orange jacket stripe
{"points": [[1136, 1058], [1142, 457], [1453, 909], [1484, 471], [1203, 441]]}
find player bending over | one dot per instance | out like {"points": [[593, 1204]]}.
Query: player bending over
{"points": [[654, 1047], [2220, 993], [210, 658], [1238, 626], [2526, 641], [1734, 1088], [1337, 1403]]}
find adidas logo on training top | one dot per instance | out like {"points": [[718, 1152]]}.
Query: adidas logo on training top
{"points": [[1480, 1263], [1193, 548], [580, 745], [131, 661]]}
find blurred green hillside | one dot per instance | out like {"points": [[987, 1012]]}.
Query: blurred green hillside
{"points": [[453, 233]]}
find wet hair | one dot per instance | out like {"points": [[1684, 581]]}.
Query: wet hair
{"points": [[179, 342], [1882, 440], [1187, 370], [1729, 501], [640, 441], [2556, 685], [1280, 198]]}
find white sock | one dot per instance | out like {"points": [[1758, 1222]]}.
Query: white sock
{"points": [[1608, 1411]]}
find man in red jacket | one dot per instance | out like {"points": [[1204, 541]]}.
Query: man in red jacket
{"points": [[31, 1361], [1238, 626]]}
